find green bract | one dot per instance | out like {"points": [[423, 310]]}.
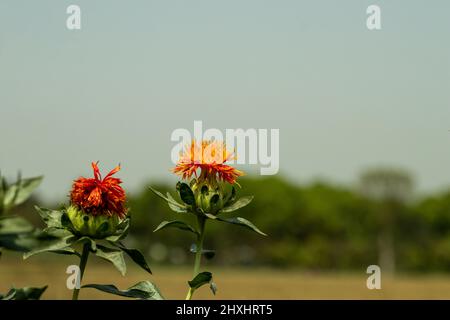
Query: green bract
{"points": [[97, 227], [209, 198]]}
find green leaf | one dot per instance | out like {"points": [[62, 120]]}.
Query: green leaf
{"points": [[231, 197], [159, 194], [55, 233], [200, 279], [11, 225], [121, 232], [186, 193], [52, 246], [52, 218], [136, 256], [25, 242], [115, 256], [176, 224], [210, 216], [67, 251], [144, 290], [240, 203], [10, 196], [87, 240], [180, 208], [26, 188], [242, 222], [27, 293], [13, 243], [3, 188]]}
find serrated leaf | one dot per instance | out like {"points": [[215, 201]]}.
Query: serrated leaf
{"points": [[10, 196], [121, 231], [25, 242], [11, 225], [180, 208], [52, 246], [52, 218], [176, 209], [87, 240], [210, 216], [3, 188], [55, 233], [231, 197], [175, 224], [136, 256], [242, 222], [186, 193], [200, 279], [159, 194], [239, 203], [67, 251], [115, 256], [144, 290], [13, 243], [27, 293], [26, 188]]}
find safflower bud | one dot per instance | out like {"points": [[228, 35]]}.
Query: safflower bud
{"points": [[97, 205], [209, 198], [85, 224]]}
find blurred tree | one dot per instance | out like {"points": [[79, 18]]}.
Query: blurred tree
{"points": [[390, 189], [317, 226], [435, 246]]}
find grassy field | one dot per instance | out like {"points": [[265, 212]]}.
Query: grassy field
{"points": [[232, 283]]}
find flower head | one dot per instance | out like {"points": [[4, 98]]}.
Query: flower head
{"points": [[99, 196], [210, 157]]}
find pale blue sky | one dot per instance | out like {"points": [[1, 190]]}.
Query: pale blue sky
{"points": [[344, 98]]}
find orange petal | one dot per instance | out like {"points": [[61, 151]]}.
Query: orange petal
{"points": [[96, 170], [113, 171], [95, 197]]}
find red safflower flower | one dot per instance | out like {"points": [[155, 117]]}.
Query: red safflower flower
{"points": [[211, 158], [99, 196]]}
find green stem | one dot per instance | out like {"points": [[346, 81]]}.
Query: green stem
{"points": [[83, 261], [198, 253]]}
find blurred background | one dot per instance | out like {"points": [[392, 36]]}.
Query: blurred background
{"points": [[364, 136]]}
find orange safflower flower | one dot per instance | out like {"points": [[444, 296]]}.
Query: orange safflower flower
{"points": [[210, 157], [99, 196]]}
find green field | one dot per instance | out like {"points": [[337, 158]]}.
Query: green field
{"points": [[233, 283]]}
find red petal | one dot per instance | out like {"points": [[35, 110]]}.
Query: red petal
{"points": [[97, 174], [113, 171]]}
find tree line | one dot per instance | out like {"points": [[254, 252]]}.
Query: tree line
{"points": [[317, 226]]}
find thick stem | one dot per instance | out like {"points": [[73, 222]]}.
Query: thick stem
{"points": [[198, 253], [83, 261]]}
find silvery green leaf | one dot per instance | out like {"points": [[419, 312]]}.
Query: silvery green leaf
{"points": [[242, 222], [239, 203], [144, 290], [52, 246], [115, 256]]}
